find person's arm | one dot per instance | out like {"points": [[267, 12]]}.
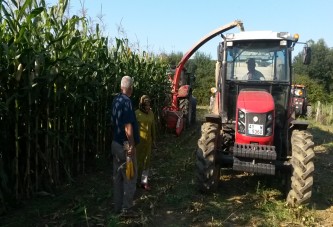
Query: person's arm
{"points": [[130, 137]]}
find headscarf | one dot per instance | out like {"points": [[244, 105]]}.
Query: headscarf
{"points": [[144, 101]]}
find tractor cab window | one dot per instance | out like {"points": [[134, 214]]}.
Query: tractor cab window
{"points": [[259, 61]]}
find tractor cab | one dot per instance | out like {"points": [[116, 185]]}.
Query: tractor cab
{"points": [[254, 87]]}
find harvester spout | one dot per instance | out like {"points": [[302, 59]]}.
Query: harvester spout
{"points": [[175, 114], [240, 26], [205, 39]]}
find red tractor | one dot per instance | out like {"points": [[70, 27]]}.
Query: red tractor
{"points": [[300, 100], [252, 128], [182, 110]]}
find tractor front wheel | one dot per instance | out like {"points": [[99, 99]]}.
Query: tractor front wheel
{"points": [[208, 171], [302, 168]]}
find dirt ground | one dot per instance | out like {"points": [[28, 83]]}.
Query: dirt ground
{"points": [[323, 185], [242, 199]]}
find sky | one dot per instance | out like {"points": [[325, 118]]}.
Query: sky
{"points": [[173, 26]]}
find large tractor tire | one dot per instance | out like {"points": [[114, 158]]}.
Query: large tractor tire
{"points": [[301, 180], [186, 105], [208, 171], [194, 110]]}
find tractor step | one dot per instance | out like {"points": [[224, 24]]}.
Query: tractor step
{"points": [[254, 151], [251, 167]]}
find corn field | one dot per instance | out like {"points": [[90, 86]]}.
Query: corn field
{"points": [[57, 81]]}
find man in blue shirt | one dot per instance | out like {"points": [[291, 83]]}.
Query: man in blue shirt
{"points": [[125, 137]]}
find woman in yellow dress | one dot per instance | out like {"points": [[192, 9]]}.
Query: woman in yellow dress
{"points": [[146, 120]]}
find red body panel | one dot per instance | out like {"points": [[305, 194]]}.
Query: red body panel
{"points": [[174, 120], [259, 102], [255, 101], [299, 105], [244, 139]]}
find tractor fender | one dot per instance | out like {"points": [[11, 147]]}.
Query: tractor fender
{"points": [[298, 124], [213, 118]]}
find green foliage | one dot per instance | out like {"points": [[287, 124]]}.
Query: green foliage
{"points": [[315, 91], [174, 58], [205, 77], [320, 69]]}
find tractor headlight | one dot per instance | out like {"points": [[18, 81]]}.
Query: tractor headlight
{"points": [[269, 123], [269, 131], [269, 117], [241, 115], [298, 92], [241, 122]]}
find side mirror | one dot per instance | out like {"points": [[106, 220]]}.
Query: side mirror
{"points": [[306, 55]]}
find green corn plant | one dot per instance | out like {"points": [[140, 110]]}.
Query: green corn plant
{"points": [[57, 84]]}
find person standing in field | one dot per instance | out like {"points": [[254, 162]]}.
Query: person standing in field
{"points": [[146, 120], [125, 138], [212, 99]]}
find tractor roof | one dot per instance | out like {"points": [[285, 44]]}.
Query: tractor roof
{"points": [[298, 86], [260, 35]]}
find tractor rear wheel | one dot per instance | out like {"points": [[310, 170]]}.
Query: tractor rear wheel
{"points": [[194, 110], [188, 106], [185, 107], [208, 171], [300, 190]]}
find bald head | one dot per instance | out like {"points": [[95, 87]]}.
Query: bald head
{"points": [[126, 85], [126, 82]]}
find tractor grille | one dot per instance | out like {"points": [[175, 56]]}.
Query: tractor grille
{"points": [[255, 151], [254, 158], [251, 167]]}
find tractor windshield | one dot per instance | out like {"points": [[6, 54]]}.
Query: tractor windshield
{"points": [[260, 61]]}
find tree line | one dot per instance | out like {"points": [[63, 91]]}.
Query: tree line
{"points": [[318, 76]]}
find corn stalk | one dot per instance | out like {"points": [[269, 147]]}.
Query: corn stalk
{"points": [[57, 81]]}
